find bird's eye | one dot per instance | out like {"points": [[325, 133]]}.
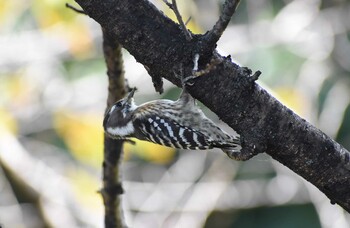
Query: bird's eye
{"points": [[116, 105]]}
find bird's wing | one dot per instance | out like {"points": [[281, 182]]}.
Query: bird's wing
{"points": [[179, 125], [165, 131]]}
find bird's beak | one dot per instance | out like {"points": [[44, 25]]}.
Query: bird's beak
{"points": [[130, 95]]}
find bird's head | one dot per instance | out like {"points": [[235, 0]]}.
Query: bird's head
{"points": [[118, 119]]}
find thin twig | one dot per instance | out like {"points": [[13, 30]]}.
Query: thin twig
{"points": [[188, 20], [75, 9], [173, 7], [255, 76], [216, 32], [249, 73], [132, 142], [168, 4]]}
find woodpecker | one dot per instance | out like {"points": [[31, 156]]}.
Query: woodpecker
{"points": [[178, 124]]}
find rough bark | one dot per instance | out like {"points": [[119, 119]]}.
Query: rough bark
{"points": [[113, 149], [265, 125]]}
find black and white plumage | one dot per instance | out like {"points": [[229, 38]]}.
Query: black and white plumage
{"points": [[178, 124]]}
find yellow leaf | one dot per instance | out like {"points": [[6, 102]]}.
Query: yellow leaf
{"points": [[56, 20], [79, 39], [8, 10], [51, 12], [85, 187], [15, 90], [7, 121], [83, 135]]}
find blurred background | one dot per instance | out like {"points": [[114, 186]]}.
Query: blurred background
{"points": [[53, 90]]}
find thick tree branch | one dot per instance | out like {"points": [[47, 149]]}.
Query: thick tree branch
{"points": [[113, 149], [265, 125]]}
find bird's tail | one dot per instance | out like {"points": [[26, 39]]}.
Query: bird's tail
{"points": [[231, 147], [233, 152]]}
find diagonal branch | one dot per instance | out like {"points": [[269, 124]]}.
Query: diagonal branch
{"points": [[265, 125]]}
